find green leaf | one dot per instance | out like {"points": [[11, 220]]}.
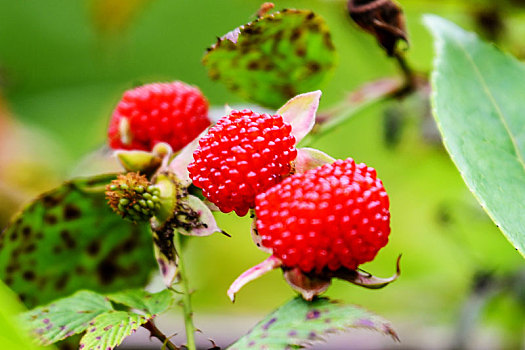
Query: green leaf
{"points": [[109, 329], [69, 239], [274, 58], [479, 104], [65, 317], [149, 303], [11, 335], [300, 323]]}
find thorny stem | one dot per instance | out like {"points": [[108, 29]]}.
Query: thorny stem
{"points": [[186, 296], [155, 332]]}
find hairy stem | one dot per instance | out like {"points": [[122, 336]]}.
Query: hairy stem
{"points": [[155, 332], [186, 295]]}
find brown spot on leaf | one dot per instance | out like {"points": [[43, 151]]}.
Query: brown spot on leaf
{"points": [[30, 248], [93, 248], [14, 235], [296, 34], [26, 231], [71, 212], [314, 67], [28, 275], [51, 201], [68, 239], [253, 65], [12, 267], [50, 219], [130, 243], [61, 282], [107, 271]]}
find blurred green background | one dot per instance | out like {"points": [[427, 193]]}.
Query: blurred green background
{"points": [[65, 64]]}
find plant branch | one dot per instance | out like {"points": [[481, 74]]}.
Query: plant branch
{"points": [[366, 96], [409, 76], [155, 332], [186, 297], [357, 101]]}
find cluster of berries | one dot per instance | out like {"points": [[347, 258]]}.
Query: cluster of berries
{"points": [[133, 197], [328, 218]]}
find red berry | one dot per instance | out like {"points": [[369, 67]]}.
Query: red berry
{"points": [[174, 113], [244, 154], [326, 218]]}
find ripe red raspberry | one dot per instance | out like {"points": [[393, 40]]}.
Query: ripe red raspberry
{"points": [[174, 113], [326, 218], [244, 154]]}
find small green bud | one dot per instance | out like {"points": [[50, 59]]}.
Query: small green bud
{"points": [[139, 189]]}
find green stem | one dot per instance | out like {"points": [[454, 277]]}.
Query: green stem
{"points": [[186, 296]]}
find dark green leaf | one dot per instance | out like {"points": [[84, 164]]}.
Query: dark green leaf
{"points": [[109, 329], [149, 303], [274, 58], [300, 323], [65, 317], [69, 239], [479, 104]]}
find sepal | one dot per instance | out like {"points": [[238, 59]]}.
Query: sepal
{"points": [[300, 113], [255, 272]]}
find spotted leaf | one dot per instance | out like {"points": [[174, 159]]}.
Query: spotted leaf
{"points": [[69, 239], [274, 58], [65, 317], [109, 329], [300, 323]]}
